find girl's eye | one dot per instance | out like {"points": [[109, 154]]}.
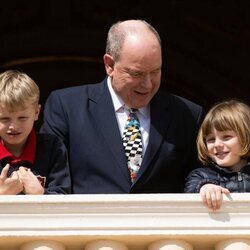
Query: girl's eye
{"points": [[227, 137], [210, 140]]}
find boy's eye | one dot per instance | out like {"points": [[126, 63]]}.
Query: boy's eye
{"points": [[156, 72], [23, 118], [4, 119]]}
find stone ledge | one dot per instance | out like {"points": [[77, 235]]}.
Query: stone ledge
{"points": [[137, 219]]}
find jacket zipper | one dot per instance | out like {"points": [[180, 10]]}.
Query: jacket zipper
{"points": [[240, 176], [242, 183]]}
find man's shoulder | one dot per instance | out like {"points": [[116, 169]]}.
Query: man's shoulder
{"points": [[188, 102], [180, 106], [170, 99]]}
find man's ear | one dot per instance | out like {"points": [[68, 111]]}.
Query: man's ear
{"points": [[109, 64]]}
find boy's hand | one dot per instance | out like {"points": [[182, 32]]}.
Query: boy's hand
{"points": [[212, 195], [31, 184], [10, 185]]}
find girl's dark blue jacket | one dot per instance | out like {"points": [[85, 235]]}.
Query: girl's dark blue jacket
{"points": [[235, 182]]}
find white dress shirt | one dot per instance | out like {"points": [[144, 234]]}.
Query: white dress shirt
{"points": [[122, 113]]}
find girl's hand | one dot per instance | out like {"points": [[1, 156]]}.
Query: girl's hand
{"points": [[212, 195]]}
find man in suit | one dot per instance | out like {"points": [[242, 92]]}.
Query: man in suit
{"points": [[91, 119]]}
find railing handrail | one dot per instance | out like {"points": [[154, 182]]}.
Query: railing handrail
{"points": [[133, 218]]}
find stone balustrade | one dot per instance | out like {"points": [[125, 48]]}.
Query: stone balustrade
{"points": [[123, 222]]}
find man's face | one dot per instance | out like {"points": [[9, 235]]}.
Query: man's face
{"points": [[136, 76]]}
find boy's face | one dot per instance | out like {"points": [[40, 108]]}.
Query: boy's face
{"points": [[16, 125]]}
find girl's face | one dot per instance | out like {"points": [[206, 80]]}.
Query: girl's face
{"points": [[224, 148]]}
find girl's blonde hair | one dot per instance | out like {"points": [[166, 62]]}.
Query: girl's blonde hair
{"points": [[16, 89], [226, 115]]}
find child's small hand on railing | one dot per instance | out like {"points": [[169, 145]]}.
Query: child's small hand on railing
{"points": [[212, 195]]}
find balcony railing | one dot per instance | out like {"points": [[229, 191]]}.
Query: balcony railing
{"points": [[121, 222]]}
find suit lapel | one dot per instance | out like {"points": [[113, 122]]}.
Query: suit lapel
{"points": [[102, 110], [158, 127]]}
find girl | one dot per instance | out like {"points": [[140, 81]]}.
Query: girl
{"points": [[223, 144]]}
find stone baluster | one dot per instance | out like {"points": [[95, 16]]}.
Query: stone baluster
{"points": [[233, 244], [105, 245], [43, 245], [170, 245]]}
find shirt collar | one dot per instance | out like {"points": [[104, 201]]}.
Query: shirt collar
{"points": [[28, 154], [117, 100], [119, 104]]}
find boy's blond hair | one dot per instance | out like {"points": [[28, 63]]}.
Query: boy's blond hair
{"points": [[17, 89], [226, 115]]}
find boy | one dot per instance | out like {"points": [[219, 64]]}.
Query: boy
{"points": [[30, 163]]}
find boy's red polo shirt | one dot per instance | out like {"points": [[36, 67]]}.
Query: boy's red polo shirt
{"points": [[27, 156]]}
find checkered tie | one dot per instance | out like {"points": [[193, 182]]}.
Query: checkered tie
{"points": [[132, 143]]}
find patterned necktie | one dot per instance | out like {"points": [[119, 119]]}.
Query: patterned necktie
{"points": [[132, 143]]}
